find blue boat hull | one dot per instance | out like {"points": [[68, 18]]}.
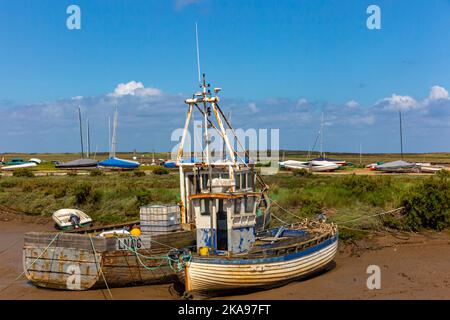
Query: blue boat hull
{"points": [[119, 163]]}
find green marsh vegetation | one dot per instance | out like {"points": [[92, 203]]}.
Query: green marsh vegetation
{"points": [[107, 198], [351, 201]]}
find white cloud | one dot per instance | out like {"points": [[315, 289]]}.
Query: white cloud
{"points": [[437, 93], [406, 103], [253, 108], [134, 88], [397, 102], [55, 122], [352, 104]]}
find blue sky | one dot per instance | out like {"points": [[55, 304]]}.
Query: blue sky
{"points": [[280, 64]]}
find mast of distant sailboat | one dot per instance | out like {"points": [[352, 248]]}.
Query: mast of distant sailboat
{"points": [[81, 132], [401, 133]]}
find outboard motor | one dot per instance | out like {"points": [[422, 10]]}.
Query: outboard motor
{"points": [[75, 220]]}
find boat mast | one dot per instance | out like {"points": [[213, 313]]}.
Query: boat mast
{"points": [[401, 134], [109, 135], [321, 138], [360, 153], [114, 136], [81, 132], [88, 139], [198, 53]]}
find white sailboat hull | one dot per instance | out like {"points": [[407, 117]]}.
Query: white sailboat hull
{"points": [[323, 168], [19, 166], [314, 166]]}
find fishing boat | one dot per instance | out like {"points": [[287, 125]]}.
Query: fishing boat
{"points": [[232, 251], [108, 256], [84, 162], [113, 162]]}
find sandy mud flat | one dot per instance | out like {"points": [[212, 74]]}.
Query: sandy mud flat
{"points": [[413, 266]]}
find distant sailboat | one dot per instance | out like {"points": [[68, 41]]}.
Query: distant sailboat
{"points": [[113, 162], [322, 159], [83, 163], [320, 164]]}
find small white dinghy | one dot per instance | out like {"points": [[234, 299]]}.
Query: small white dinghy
{"points": [[67, 219]]}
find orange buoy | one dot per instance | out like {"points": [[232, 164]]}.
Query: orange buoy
{"points": [[136, 232]]}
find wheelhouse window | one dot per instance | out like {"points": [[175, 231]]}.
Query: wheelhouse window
{"points": [[238, 181], [251, 180], [205, 207], [237, 205], [244, 181], [249, 204], [205, 181]]}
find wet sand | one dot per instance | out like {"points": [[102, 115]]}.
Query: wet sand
{"points": [[413, 266]]}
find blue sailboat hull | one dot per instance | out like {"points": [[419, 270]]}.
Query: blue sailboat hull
{"points": [[119, 163]]}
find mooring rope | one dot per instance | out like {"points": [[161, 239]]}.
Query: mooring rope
{"points": [[180, 264], [283, 222], [285, 210], [23, 272], [101, 269], [340, 223], [373, 215]]}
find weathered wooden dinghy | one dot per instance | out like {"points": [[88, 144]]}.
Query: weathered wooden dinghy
{"points": [[82, 260]]}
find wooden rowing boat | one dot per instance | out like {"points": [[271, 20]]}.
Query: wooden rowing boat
{"points": [[81, 261]]}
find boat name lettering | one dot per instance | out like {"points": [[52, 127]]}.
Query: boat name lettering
{"points": [[126, 243]]}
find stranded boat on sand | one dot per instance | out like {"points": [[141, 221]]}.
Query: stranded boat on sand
{"points": [[230, 253], [111, 256]]}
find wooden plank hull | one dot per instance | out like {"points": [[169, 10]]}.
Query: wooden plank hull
{"points": [[209, 276], [70, 262]]}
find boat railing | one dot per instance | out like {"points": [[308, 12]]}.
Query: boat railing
{"points": [[293, 247]]}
